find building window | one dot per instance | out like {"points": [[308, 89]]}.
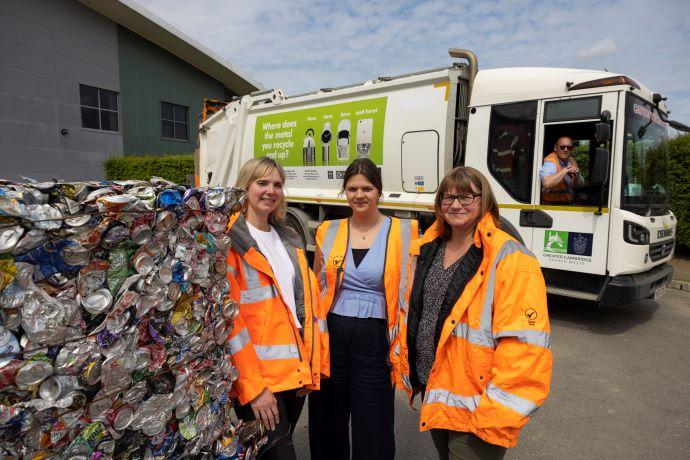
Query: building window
{"points": [[98, 108], [174, 121]]}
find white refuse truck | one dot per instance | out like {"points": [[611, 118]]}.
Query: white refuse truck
{"points": [[609, 245]]}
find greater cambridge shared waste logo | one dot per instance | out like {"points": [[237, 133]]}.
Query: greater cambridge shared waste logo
{"points": [[555, 241], [576, 243]]}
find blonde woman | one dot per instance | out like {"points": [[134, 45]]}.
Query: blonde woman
{"points": [[279, 339]]}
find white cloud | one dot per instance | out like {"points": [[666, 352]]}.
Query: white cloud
{"points": [[602, 48], [303, 45]]}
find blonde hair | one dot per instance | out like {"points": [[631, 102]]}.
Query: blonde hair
{"points": [[257, 168], [462, 179]]}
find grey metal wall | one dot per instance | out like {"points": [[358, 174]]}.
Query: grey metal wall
{"points": [[47, 48]]}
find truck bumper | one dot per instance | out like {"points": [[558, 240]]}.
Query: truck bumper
{"points": [[626, 289]]}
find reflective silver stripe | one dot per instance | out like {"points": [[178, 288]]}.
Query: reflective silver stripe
{"points": [[474, 336], [258, 294], [509, 247], [406, 381], [232, 270], [518, 404], [251, 276], [394, 332], [528, 336], [396, 350], [440, 395], [326, 247], [323, 325], [405, 240], [269, 352], [239, 341]]}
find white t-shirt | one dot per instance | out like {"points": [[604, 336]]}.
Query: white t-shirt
{"points": [[273, 249]]}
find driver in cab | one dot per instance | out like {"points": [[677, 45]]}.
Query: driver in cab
{"points": [[560, 175]]}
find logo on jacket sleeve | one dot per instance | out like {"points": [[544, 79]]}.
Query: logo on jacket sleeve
{"points": [[531, 315], [337, 261]]}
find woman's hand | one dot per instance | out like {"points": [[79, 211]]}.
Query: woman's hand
{"points": [[265, 408]]}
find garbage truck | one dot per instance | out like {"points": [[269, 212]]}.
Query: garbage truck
{"points": [[609, 244]]}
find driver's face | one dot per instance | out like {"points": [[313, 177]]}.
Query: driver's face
{"points": [[563, 148]]}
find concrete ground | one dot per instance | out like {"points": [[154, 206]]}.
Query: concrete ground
{"points": [[681, 273], [620, 389]]}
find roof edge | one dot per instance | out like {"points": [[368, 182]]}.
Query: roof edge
{"points": [[143, 22]]}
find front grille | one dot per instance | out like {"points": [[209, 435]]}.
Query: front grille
{"points": [[658, 251]]}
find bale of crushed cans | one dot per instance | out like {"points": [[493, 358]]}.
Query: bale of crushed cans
{"points": [[114, 312]]}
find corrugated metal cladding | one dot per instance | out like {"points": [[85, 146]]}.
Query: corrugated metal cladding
{"points": [[149, 75], [47, 49]]}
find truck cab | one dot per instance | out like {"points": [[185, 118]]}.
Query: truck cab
{"points": [[607, 234]]}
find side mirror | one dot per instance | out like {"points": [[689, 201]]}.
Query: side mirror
{"points": [[600, 167], [602, 132]]}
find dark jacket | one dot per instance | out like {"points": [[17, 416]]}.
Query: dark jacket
{"points": [[465, 271]]}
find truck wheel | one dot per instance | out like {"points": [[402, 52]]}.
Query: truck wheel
{"points": [[505, 225], [292, 222]]}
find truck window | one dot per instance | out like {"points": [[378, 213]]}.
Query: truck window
{"points": [[569, 145], [511, 147]]}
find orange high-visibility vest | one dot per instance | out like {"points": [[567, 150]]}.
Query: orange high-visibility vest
{"points": [[266, 346], [559, 193], [492, 368], [332, 239]]}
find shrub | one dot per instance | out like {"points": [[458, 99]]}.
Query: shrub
{"points": [[679, 181], [175, 168]]}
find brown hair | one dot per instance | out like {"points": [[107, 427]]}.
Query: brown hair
{"points": [[368, 169], [462, 179], [255, 169]]}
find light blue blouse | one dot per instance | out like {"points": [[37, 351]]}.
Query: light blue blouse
{"points": [[361, 294]]}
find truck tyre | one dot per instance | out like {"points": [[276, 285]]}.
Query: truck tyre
{"points": [[505, 225], [292, 222]]}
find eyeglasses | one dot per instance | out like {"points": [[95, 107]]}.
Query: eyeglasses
{"points": [[465, 199], [565, 147]]}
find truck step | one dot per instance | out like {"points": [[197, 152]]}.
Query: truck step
{"points": [[572, 293]]}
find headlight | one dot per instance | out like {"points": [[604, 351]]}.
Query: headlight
{"points": [[635, 233]]}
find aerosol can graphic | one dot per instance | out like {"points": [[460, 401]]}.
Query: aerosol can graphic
{"points": [[326, 137], [309, 148], [364, 132], [344, 140]]}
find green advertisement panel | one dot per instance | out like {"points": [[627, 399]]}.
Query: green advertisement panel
{"points": [[329, 135]]}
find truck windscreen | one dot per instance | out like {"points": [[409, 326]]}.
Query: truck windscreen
{"points": [[645, 159]]}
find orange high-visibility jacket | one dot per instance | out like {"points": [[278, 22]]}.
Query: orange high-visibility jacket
{"points": [[492, 368], [559, 193], [332, 238], [267, 347]]}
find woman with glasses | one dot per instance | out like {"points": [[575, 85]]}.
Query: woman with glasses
{"points": [[276, 341], [475, 341], [364, 268]]}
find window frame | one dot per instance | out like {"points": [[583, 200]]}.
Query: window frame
{"points": [[570, 99], [490, 145], [174, 122], [100, 109]]}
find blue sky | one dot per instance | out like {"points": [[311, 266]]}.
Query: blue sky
{"points": [[303, 45]]}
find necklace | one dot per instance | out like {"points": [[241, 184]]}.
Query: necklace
{"points": [[365, 234]]}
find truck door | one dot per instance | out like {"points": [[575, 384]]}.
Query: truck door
{"points": [[570, 219], [511, 160]]}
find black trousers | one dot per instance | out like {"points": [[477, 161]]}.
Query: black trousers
{"points": [[279, 445], [359, 389]]}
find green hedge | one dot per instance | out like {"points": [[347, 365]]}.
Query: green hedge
{"points": [[175, 168], [679, 178]]}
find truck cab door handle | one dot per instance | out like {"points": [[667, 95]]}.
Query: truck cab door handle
{"points": [[535, 218]]}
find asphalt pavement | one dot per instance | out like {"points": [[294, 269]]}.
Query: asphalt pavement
{"points": [[620, 388]]}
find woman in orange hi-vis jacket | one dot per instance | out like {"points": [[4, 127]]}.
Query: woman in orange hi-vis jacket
{"points": [[279, 340], [475, 341], [364, 268]]}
